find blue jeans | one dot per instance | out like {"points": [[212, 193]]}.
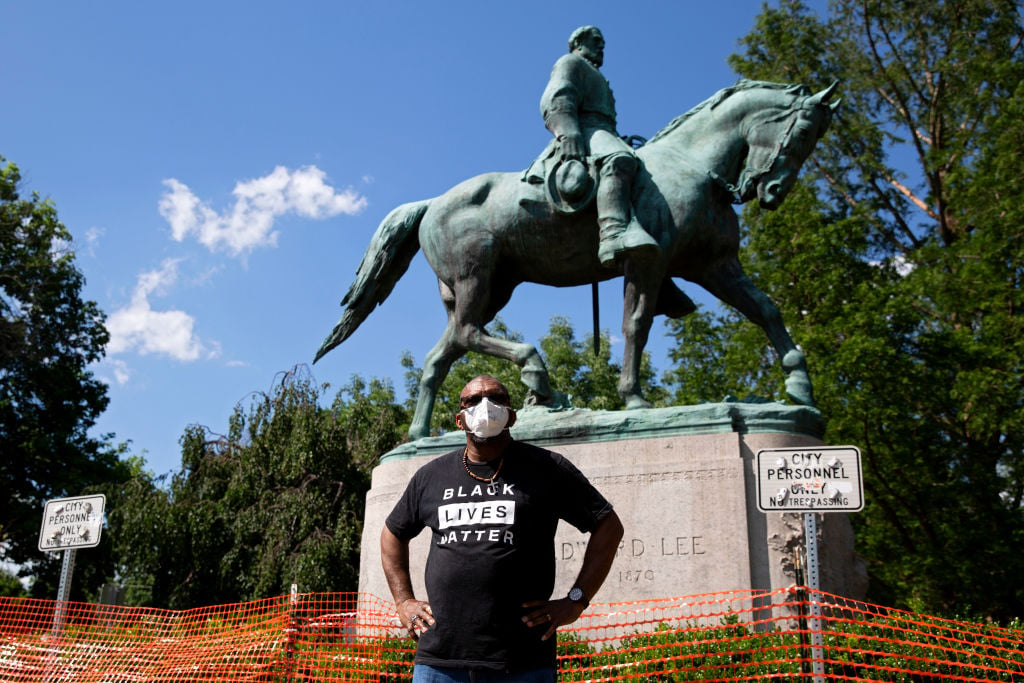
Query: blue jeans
{"points": [[422, 673]]}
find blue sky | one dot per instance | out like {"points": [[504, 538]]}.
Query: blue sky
{"points": [[223, 165]]}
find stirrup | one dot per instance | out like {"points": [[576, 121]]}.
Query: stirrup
{"points": [[632, 240]]}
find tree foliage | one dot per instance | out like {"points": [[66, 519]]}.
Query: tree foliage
{"points": [[277, 500], [590, 377], [10, 586], [898, 263], [49, 400]]}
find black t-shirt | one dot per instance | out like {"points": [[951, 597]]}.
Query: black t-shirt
{"points": [[492, 550]]}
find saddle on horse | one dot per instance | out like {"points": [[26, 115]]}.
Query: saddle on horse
{"points": [[570, 186]]}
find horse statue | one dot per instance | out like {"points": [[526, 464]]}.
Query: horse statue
{"points": [[490, 233]]}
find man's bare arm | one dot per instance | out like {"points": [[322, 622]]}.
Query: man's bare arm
{"points": [[597, 561], [394, 556]]}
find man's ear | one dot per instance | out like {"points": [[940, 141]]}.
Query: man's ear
{"points": [[511, 418], [460, 422]]}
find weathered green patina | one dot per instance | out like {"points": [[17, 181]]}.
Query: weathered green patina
{"points": [[553, 428], [490, 233]]}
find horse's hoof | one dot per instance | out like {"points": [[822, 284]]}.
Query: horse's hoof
{"points": [[532, 398], [799, 390], [560, 401], [556, 401], [637, 402]]}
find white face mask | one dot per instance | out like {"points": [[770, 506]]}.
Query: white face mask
{"points": [[485, 419]]}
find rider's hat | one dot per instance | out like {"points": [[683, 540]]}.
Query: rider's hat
{"points": [[570, 186]]}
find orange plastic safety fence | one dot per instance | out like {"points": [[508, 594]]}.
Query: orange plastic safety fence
{"points": [[785, 635]]}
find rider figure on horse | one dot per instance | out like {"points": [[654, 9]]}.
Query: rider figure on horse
{"points": [[579, 110]]}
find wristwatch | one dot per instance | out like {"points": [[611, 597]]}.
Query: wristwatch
{"points": [[576, 595]]}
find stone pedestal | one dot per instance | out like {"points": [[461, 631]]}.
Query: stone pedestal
{"points": [[683, 482]]}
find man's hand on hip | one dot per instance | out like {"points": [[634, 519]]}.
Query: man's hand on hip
{"points": [[554, 613], [416, 616]]}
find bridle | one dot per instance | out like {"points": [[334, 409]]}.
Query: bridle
{"points": [[749, 175]]}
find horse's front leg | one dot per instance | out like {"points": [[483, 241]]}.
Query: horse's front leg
{"points": [[729, 283], [640, 298]]}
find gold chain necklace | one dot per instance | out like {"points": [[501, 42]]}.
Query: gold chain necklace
{"points": [[465, 463]]}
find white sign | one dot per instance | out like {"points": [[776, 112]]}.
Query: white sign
{"points": [[72, 523], [826, 479]]}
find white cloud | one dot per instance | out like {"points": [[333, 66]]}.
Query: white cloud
{"points": [[899, 262], [258, 203], [92, 239], [902, 265], [137, 327], [122, 373]]}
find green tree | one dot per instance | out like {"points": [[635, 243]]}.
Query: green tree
{"points": [[277, 500], [49, 335], [591, 378], [898, 263], [10, 586], [709, 363]]}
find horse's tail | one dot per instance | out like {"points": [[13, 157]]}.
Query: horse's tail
{"points": [[385, 261]]}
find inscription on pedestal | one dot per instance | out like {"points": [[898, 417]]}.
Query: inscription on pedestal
{"points": [[648, 552], [684, 515], [679, 546]]}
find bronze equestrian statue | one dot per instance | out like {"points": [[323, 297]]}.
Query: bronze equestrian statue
{"points": [[490, 233]]}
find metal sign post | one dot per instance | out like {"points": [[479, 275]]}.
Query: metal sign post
{"points": [[811, 480], [64, 590], [814, 598], [70, 524]]}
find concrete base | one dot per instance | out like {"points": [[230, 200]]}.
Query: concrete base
{"points": [[688, 501]]}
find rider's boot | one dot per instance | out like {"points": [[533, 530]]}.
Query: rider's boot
{"points": [[620, 233]]}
